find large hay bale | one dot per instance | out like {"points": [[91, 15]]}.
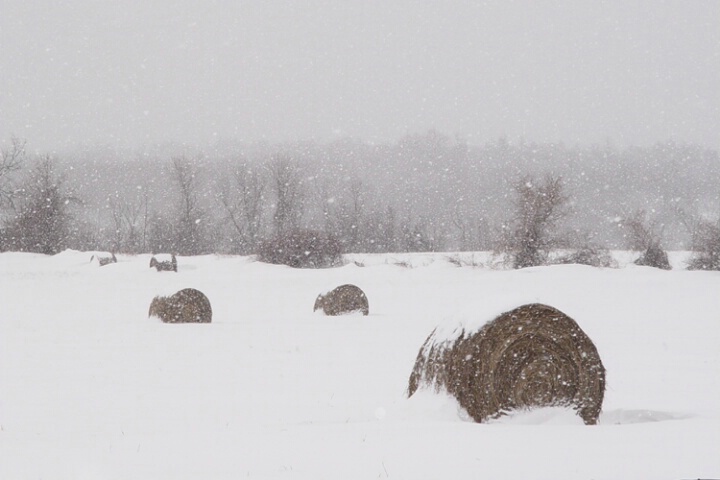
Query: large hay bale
{"points": [[343, 300], [186, 306], [162, 265], [532, 356]]}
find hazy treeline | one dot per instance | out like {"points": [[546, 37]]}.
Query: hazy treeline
{"points": [[422, 193]]}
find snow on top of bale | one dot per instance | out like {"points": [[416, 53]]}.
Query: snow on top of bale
{"points": [[528, 357], [468, 320], [163, 257]]}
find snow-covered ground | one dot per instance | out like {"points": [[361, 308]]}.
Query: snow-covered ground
{"points": [[91, 388]]}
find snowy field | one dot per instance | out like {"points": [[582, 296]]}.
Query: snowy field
{"points": [[91, 388]]}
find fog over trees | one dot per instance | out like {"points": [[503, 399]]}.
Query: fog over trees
{"points": [[198, 127], [424, 192]]}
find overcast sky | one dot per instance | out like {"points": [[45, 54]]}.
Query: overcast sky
{"points": [[137, 72]]}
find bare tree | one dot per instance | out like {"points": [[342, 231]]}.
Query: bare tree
{"points": [[705, 245], [379, 231], [289, 207], [161, 235], [190, 215], [130, 222], [539, 206], [350, 217], [327, 203], [472, 229], [641, 232], [646, 235], [388, 231], [11, 160], [42, 223], [243, 203], [418, 235], [460, 223]]}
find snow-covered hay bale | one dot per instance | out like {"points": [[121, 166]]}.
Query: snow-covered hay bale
{"points": [[343, 300], [186, 306], [532, 356], [164, 263], [103, 259]]}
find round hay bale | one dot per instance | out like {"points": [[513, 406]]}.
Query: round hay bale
{"points": [[343, 300], [532, 356], [186, 306]]}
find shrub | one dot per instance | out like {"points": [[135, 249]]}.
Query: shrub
{"points": [[592, 256], [654, 256], [302, 249], [706, 247], [532, 232]]}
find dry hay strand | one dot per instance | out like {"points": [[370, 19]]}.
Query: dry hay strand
{"points": [[343, 300], [532, 356], [164, 265], [186, 306]]}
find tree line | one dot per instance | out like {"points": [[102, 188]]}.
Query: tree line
{"points": [[426, 192]]}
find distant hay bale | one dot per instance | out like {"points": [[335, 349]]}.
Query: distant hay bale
{"points": [[104, 259], [342, 300], [186, 306], [164, 265], [532, 356]]}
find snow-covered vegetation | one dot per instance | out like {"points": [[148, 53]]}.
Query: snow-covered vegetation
{"points": [[425, 192]]}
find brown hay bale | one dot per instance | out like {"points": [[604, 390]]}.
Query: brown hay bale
{"points": [[186, 306], [342, 300], [164, 265], [532, 356], [104, 259]]}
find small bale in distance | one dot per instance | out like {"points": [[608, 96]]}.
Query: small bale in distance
{"points": [[164, 265], [186, 306], [343, 300], [104, 259], [532, 356]]}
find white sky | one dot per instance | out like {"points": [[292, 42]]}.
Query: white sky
{"points": [[135, 72]]}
